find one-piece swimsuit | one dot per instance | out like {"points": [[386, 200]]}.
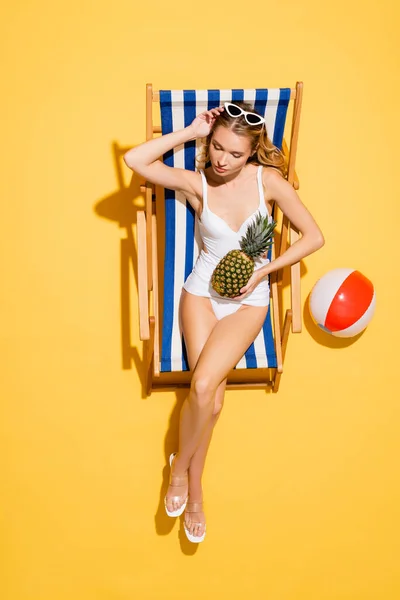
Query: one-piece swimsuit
{"points": [[218, 239]]}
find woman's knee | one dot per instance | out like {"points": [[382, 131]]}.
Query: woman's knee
{"points": [[202, 389]]}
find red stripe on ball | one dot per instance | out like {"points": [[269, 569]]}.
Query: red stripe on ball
{"points": [[350, 302]]}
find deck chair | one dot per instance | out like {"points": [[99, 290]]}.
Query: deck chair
{"points": [[169, 218]]}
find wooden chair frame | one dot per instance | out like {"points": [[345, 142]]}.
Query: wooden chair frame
{"points": [[149, 324]]}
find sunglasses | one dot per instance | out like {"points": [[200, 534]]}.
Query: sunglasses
{"points": [[236, 111]]}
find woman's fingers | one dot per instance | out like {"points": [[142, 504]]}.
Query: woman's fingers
{"points": [[214, 112], [248, 288], [243, 294], [204, 121]]}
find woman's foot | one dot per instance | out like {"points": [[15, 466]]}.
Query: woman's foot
{"points": [[177, 494], [195, 520]]}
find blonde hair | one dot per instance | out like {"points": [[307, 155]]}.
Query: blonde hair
{"points": [[263, 151]]}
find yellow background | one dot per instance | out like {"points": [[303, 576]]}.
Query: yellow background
{"points": [[302, 487]]}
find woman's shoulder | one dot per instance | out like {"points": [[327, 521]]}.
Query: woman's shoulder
{"points": [[271, 176], [271, 172]]}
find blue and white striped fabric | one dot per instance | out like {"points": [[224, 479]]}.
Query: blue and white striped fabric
{"points": [[183, 242]]}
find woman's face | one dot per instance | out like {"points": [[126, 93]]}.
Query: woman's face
{"points": [[228, 151]]}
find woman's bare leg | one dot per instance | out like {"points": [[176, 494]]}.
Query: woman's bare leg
{"points": [[197, 464], [197, 309], [228, 341], [226, 344], [198, 459], [198, 320]]}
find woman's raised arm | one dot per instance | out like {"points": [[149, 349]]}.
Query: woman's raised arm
{"points": [[144, 159]]}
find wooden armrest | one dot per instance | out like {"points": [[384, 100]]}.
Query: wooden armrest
{"points": [[144, 330], [295, 183], [275, 317], [155, 299], [295, 295], [148, 190]]}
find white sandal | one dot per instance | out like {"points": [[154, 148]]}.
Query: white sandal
{"points": [[177, 481], [194, 507]]}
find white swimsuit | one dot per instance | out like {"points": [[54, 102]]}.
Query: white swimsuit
{"points": [[218, 239]]}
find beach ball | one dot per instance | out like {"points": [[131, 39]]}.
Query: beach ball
{"points": [[342, 302]]}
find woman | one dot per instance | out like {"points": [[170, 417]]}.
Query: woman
{"points": [[246, 176]]}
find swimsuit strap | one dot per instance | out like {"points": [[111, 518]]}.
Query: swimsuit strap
{"points": [[260, 186], [204, 181]]}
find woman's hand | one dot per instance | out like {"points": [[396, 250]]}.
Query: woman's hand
{"points": [[251, 284], [202, 124]]}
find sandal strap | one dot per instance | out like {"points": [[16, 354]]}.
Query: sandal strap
{"points": [[194, 507], [178, 480], [175, 498]]}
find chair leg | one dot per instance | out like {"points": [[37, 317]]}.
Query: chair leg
{"points": [[285, 335]]}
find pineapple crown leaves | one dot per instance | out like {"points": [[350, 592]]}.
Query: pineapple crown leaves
{"points": [[258, 236]]}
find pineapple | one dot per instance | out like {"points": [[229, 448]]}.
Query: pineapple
{"points": [[235, 269]]}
